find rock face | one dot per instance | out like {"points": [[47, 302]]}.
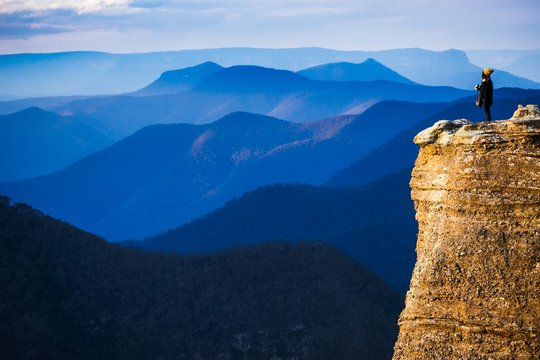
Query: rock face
{"points": [[475, 289]]}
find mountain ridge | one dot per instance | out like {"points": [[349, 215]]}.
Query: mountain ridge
{"points": [[369, 70], [88, 69], [165, 175], [278, 93], [36, 142], [68, 294], [374, 224], [399, 152], [175, 81]]}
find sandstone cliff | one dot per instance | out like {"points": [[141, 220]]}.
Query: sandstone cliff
{"points": [[475, 289]]}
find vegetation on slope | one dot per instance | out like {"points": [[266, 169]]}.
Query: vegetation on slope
{"points": [[67, 294]]}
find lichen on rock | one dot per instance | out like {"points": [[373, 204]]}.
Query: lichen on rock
{"points": [[475, 289]]}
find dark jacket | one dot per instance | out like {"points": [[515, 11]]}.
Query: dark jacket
{"points": [[486, 91]]}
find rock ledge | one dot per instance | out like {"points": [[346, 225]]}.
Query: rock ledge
{"points": [[475, 289]]}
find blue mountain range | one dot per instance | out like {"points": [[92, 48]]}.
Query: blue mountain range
{"points": [[200, 94], [293, 146], [92, 73], [165, 175]]}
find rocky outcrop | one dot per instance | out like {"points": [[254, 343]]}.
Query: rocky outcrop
{"points": [[475, 289]]}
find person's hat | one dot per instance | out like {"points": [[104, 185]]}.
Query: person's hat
{"points": [[488, 71]]}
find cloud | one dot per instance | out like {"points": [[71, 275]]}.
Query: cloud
{"points": [[25, 31], [146, 4], [344, 24], [37, 21], [25, 24], [79, 6]]}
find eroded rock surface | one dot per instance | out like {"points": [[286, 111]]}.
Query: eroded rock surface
{"points": [[475, 289]]}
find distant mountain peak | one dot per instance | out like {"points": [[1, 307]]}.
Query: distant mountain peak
{"points": [[175, 81], [207, 64], [32, 113], [237, 116], [369, 70], [190, 72], [370, 61], [252, 78], [255, 69], [33, 110]]}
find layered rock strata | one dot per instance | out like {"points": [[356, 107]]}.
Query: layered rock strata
{"points": [[475, 289]]}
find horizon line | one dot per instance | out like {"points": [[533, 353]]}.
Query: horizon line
{"points": [[263, 48]]}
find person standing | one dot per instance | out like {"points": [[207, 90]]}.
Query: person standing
{"points": [[486, 92]]}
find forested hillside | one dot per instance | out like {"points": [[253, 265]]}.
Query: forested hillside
{"points": [[67, 294]]}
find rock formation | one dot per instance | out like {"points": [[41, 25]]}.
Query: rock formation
{"points": [[475, 289]]}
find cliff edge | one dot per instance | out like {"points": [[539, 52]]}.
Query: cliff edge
{"points": [[475, 288]]}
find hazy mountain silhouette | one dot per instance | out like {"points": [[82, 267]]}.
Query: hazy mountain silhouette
{"points": [[374, 224], [67, 294], [256, 79], [400, 152], [90, 73], [519, 62], [277, 93], [449, 68], [526, 67], [175, 81], [36, 142], [165, 175], [8, 107], [369, 70], [501, 79]]}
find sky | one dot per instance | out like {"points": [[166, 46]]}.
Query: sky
{"points": [[126, 26]]}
